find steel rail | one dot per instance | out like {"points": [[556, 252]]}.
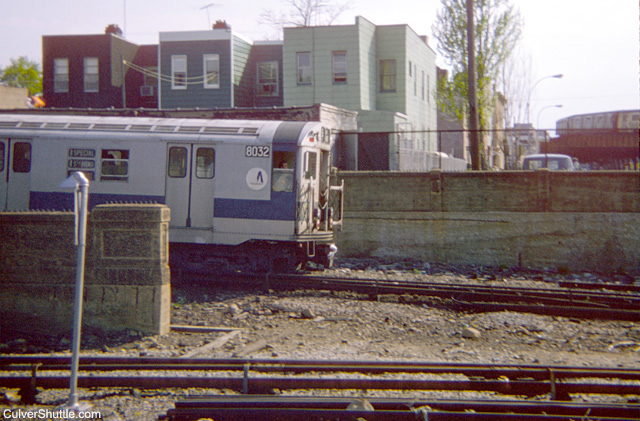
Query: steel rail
{"points": [[259, 385], [281, 407], [511, 380], [510, 371], [561, 302]]}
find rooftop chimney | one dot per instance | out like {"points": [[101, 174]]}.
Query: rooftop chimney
{"points": [[113, 29], [221, 24]]}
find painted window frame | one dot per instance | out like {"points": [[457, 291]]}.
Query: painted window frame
{"points": [[211, 75], [304, 71], [91, 72], [339, 67], [178, 74], [271, 82], [61, 75]]}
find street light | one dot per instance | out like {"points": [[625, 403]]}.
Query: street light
{"points": [[544, 108], [546, 135], [558, 76], [79, 182]]}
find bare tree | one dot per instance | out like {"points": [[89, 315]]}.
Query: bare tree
{"points": [[514, 82], [305, 13]]}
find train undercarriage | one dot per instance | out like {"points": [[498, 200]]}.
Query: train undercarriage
{"points": [[252, 257]]}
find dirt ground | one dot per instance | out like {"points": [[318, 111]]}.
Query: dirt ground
{"points": [[323, 325]]}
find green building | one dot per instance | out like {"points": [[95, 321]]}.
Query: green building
{"points": [[385, 73]]}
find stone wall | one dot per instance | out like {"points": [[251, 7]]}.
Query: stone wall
{"points": [[582, 221], [126, 282]]}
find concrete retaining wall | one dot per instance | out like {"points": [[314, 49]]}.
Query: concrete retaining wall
{"points": [[578, 221], [126, 274]]}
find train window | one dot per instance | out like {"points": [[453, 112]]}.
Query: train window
{"points": [[311, 159], [282, 177], [115, 165], [22, 157], [177, 162], [1, 156], [205, 163]]}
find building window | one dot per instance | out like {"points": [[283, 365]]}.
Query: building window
{"points": [[211, 71], [267, 78], [339, 67], [303, 61], [178, 72], [61, 75], [91, 77], [387, 75], [422, 90]]}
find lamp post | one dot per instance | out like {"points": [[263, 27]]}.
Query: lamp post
{"points": [[558, 76], [79, 182], [546, 148], [544, 108]]}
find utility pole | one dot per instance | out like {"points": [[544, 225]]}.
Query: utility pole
{"points": [[474, 142]]}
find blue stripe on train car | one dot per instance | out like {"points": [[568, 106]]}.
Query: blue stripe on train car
{"points": [[281, 207], [64, 201]]}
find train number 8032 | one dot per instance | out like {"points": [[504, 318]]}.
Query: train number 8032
{"points": [[257, 151]]}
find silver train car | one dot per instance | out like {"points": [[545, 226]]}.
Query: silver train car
{"points": [[615, 121], [243, 194]]}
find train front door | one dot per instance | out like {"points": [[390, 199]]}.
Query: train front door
{"points": [[308, 192], [15, 177], [190, 185]]}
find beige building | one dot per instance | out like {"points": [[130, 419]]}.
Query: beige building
{"points": [[11, 97]]}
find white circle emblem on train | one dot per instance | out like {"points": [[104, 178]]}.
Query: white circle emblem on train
{"points": [[257, 178]]}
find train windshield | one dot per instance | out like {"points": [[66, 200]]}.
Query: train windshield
{"points": [[283, 169]]}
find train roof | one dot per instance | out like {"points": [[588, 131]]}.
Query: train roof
{"points": [[599, 113], [135, 124]]}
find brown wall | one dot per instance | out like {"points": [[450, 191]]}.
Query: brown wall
{"points": [[126, 282], [584, 221]]}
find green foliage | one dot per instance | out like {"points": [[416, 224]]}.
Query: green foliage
{"points": [[498, 28], [23, 73]]}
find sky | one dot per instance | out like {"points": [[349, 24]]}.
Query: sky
{"points": [[594, 44]]}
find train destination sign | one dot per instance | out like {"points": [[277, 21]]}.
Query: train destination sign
{"points": [[81, 163], [82, 153]]}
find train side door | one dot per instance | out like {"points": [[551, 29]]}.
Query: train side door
{"points": [[308, 191], [15, 174], [190, 185]]}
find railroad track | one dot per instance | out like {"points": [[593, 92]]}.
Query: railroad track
{"points": [[257, 378], [569, 301]]}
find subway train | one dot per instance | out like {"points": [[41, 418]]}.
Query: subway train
{"points": [[244, 195], [616, 121]]}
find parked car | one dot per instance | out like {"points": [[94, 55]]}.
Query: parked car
{"points": [[551, 161]]}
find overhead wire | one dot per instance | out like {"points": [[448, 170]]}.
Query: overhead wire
{"points": [[193, 80]]}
